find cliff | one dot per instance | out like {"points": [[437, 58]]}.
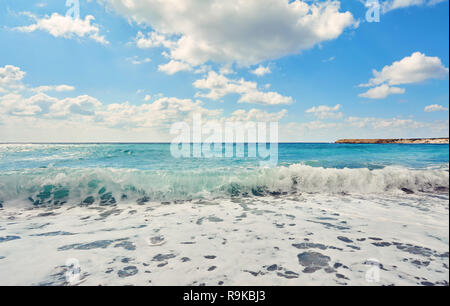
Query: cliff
{"points": [[405, 141]]}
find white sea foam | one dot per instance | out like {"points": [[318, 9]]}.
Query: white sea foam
{"points": [[65, 184], [246, 241]]}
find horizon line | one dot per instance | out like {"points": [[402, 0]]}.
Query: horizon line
{"points": [[120, 142]]}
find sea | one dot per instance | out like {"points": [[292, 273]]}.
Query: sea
{"points": [[42, 174], [138, 214]]}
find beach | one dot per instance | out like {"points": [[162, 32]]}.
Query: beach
{"points": [[289, 240]]}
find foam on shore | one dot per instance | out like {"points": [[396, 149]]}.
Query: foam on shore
{"points": [[309, 239]]}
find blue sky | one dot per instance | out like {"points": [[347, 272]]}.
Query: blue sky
{"points": [[120, 88]]}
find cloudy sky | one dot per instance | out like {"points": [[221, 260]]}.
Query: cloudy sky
{"points": [[126, 70]]}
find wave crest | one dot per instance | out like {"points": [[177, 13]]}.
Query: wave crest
{"points": [[108, 186]]}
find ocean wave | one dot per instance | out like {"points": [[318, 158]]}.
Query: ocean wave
{"points": [[109, 186]]}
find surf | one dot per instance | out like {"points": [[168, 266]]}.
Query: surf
{"points": [[108, 186]]}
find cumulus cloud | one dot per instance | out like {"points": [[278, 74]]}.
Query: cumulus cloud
{"points": [[57, 88], [159, 114], [152, 40], [66, 26], [382, 91], [46, 106], [226, 69], [391, 5], [326, 112], [261, 70], [35, 104], [84, 108], [173, 67], [10, 74], [245, 32], [220, 86], [20, 100], [412, 69], [435, 108], [10, 78]]}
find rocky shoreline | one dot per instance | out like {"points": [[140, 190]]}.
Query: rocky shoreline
{"points": [[397, 141]]}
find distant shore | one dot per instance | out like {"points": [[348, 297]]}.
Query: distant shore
{"points": [[404, 141]]}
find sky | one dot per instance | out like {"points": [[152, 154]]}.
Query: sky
{"points": [[127, 70]]}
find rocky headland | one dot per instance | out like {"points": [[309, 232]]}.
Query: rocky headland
{"points": [[398, 141]]}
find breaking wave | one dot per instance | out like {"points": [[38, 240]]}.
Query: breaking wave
{"points": [[109, 186]]}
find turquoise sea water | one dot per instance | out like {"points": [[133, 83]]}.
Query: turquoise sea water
{"points": [[108, 173], [158, 156]]}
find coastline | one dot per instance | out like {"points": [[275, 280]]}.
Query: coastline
{"points": [[395, 141]]}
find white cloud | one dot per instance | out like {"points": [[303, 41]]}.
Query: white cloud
{"points": [[136, 61], [45, 106], [245, 32], [159, 114], [152, 40], [412, 69], [58, 88], [261, 70], [173, 67], [264, 98], [202, 69], [30, 114], [226, 69], [220, 86], [27, 111], [390, 5], [382, 91], [382, 123], [20, 100], [257, 115], [10, 74], [66, 26], [35, 103], [435, 108], [326, 112], [29, 102], [10, 78], [83, 105]]}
